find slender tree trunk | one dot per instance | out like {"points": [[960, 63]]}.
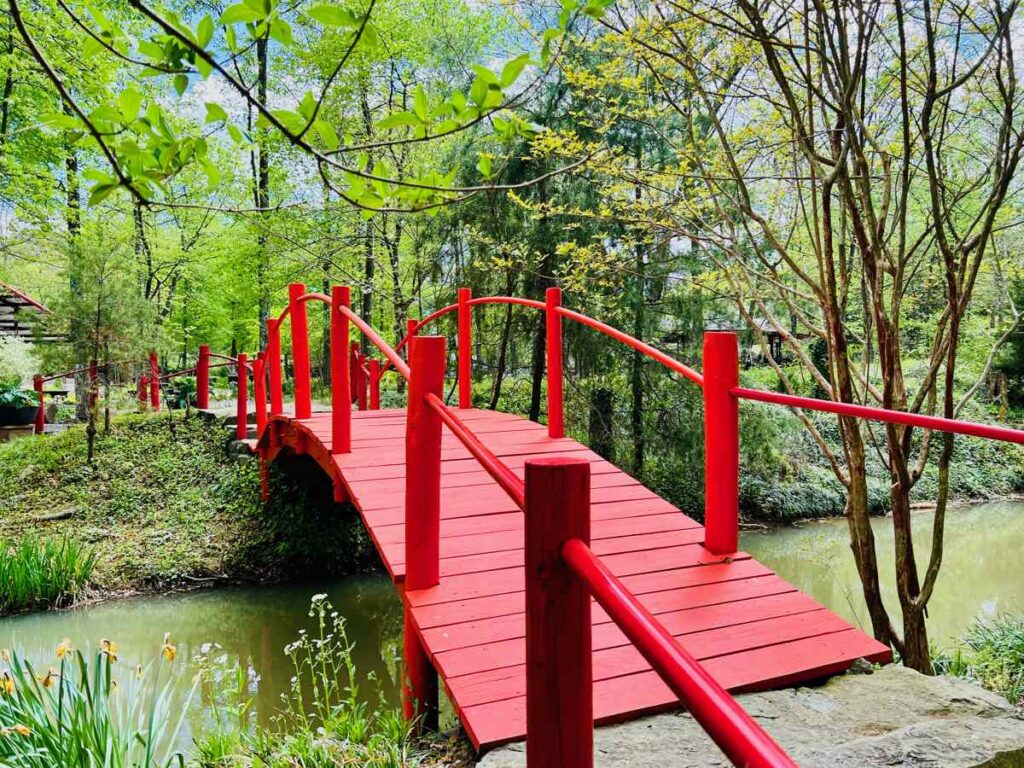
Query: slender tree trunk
{"points": [[544, 280], [506, 334], [262, 197]]}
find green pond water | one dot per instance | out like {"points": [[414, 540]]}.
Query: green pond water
{"points": [[982, 572], [981, 577]]}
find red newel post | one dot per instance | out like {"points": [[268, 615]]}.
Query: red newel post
{"points": [[203, 377], [341, 384], [37, 383], [143, 391], [242, 409], [559, 692], [721, 443], [410, 329], [374, 384], [300, 351], [259, 391], [353, 369], [154, 381], [465, 349], [553, 324], [422, 516], [274, 376], [362, 384]]}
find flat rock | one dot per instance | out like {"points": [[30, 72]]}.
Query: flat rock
{"points": [[892, 717]]}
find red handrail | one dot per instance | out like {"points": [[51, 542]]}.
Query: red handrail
{"points": [[496, 468], [390, 353], [739, 736]]}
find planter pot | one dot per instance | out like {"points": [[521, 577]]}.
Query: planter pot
{"points": [[11, 416]]}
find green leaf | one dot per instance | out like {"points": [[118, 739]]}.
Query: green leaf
{"points": [[241, 13], [398, 120], [420, 105], [181, 84], [307, 106], [484, 164], [60, 121], [327, 134], [215, 113], [204, 31], [595, 9], [512, 69], [334, 16], [282, 32], [235, 133], [483, 73], [292, 121], [100, 192], [129, 102]]}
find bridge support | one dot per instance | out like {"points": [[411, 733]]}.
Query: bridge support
{"points": [[553, 325], [154, 381], [341, 385], [427, 356], [721, 443], [242, 406], [559, 695], [465, 349], [203, 377], [300, 351]]}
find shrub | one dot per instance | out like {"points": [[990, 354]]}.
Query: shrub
{"points": [[37, 573], [17, 363], [79, 715], [992, 655]]}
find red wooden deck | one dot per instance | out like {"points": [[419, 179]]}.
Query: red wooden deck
{"points": [[750, 628]]}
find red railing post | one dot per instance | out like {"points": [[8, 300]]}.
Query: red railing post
{"points": [[143, 391], [559, 687], [274, 376], [154, 381], [353, 370], [203, 377], [422, 517], [465, 348], [37, 383], [259, 391], [361, 380], [374, 384], [341, 384], [721, 443], [553, 324], [242, 406], [300, 351]]}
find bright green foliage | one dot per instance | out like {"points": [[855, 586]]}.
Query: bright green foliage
{"points": [[42, 573], [87, 713], [991, 654]]}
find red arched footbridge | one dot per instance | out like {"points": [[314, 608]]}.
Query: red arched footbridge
{"points": [[547, 589]]}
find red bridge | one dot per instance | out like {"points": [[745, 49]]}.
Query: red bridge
{"points": [[546, 588]]}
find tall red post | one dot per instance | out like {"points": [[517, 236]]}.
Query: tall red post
{"points": [[422, 517], [203, 377], [553, 324], [300, 351], [362, 383], [374, 384], [242, 406], [721, 443], [353, 369], [274, 376], [559, 693], [143, 391], [94, 383], [465, 348], [37, 383], [410, 328], [259, 391], [341, 384], [154, 381]]}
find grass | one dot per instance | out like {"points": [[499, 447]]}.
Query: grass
{"points": [[991, 653], [83, 713], [38, 572]]}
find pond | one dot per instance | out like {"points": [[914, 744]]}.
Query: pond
{"points": [[981, 574]]}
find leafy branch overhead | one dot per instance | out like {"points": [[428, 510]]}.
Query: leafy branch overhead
{"points": [[149, 132]]}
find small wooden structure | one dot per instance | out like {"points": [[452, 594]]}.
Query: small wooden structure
{"points": [[20, 314]]}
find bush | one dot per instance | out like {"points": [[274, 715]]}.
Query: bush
{"points": [[79, 715], [992, 655], [37, 573], [17, 363]]}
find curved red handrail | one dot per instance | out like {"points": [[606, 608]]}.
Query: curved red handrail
{"points": [[655, 354], [730, 726], [86, 368], [386, 349], [496, 468], [937, 423], [229, 363]]}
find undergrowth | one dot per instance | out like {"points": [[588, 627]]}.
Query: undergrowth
{"points": [[990, 653], [37, 573]]}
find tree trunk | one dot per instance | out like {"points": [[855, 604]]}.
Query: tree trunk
{"points": [[506, 334], [262, 197], [601, 433]]}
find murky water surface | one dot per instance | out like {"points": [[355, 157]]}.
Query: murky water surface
{"points": [[982, 566]]}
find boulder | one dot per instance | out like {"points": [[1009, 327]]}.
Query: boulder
{"points": [[892, 717]]}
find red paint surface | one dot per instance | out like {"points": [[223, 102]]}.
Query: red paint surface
{"points": [[242, 398], [154, 382], [721, 442], [341, 392], [465, 349], [300, 351], [203, 377]]}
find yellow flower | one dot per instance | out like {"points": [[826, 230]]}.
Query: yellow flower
{"points": [[169, 651], [63, 648], [109, 648], [49, 679], [23, 730], [7, 683]]}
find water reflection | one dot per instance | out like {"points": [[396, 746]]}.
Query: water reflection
{"points": [[981, 574]]}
